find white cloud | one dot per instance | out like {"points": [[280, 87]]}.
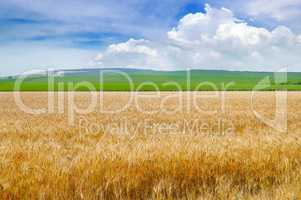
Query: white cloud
{"points": [[277, 9], [133, 46], [133, 53], [194, 27], [214, 39]]}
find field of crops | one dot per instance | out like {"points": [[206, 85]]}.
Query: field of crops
{"points": [[168, 146], [148, 80]]}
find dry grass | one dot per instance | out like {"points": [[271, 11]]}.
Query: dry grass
{"points": [[44, 158]]}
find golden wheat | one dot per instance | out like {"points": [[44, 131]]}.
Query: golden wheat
{"points": [[206, 153]]}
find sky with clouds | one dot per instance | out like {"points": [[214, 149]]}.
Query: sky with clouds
{"points": [[255, 35]]}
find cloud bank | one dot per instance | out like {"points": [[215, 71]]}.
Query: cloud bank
{"points": [[215, 39]]}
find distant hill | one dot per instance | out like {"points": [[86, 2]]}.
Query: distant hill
{"points": [[125, 79]]}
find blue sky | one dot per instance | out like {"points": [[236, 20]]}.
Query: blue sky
{"points": [[80, 33]]}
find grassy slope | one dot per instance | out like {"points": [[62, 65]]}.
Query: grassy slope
{"points": [[199, 80]]}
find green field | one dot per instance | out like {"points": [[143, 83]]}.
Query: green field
{"points": [[148, 80]]}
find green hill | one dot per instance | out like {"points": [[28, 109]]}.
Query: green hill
{"points": [[149, 80]]}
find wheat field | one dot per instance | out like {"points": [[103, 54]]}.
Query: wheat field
{"points": [[152, 149]]}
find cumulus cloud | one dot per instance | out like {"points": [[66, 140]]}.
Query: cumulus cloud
{"points": [[133, 53], [215, 39], [133, 46]]}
